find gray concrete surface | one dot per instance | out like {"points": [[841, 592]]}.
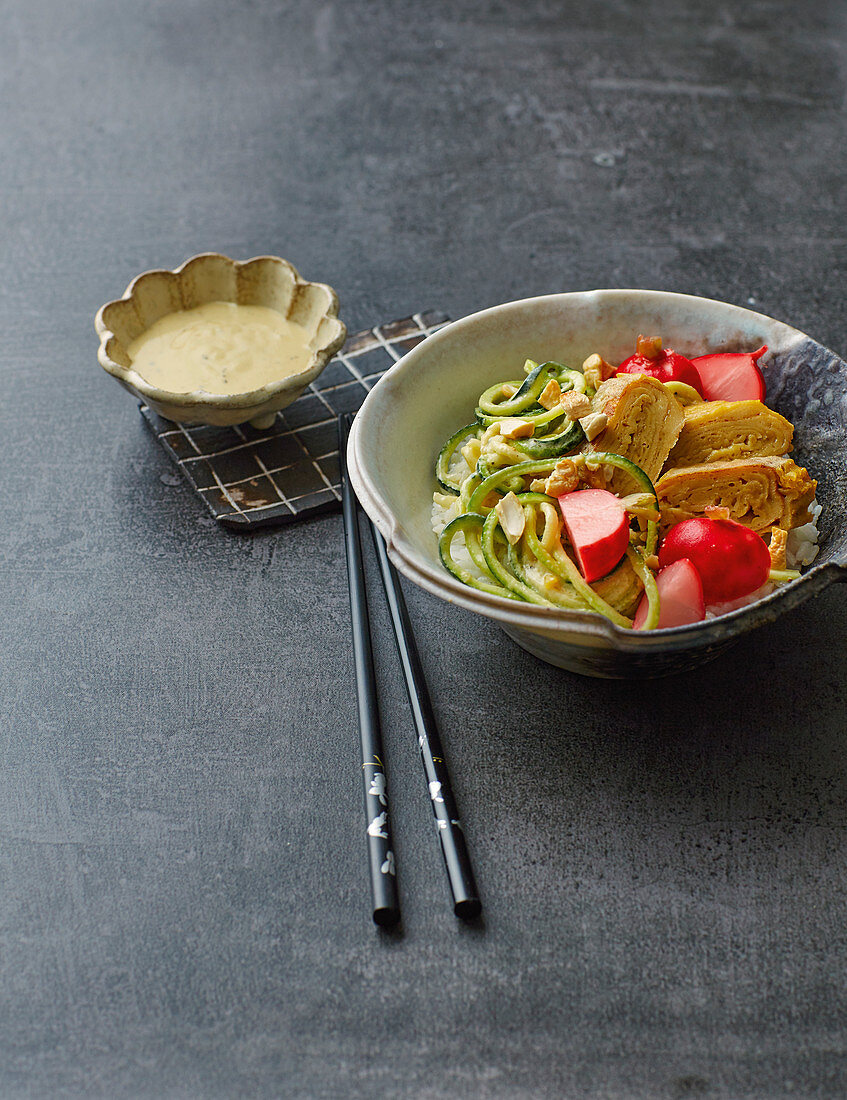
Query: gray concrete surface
{"points": [[183, 907]]}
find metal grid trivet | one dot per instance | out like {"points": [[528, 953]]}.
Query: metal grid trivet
{"points": [[250, 478]]}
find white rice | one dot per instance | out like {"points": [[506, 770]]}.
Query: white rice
{"points": [[803, 546]]}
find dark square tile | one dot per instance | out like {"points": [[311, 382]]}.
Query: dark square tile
{"points": [[236, 464], [177, 445], [281, 450], [296, 481], [306, 410], [360, 342], [403, 327], [346, 399], [433, 318], [248, 434], [373, 362], [402, 346], [322, 500], [210, 440], [331, 469], [199, 470], [334, 374], [319, 440]]}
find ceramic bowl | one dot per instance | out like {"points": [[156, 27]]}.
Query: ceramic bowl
{"points": [[432, 391], [210, 277]]}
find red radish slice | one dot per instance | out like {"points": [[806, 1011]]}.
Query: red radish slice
{"points": [[731, 376], [598, 527], [680, 597], [668, 366], [732, 560]]}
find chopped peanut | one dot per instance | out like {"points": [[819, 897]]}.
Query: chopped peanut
{"points": [[511, 515], [652, 562], [597, 370], [593, 425], [648, 346], [778, 546], [539, 485], [470, 452], [575, 405], [508, 390], [563, 479], [595, 477], [515, 427], [551, 395]]}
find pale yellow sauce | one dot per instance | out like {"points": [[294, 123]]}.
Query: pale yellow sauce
{"points": [[220, 348]]}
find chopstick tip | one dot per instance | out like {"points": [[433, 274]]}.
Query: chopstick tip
{"points": [[468, 909], [386, 916]]}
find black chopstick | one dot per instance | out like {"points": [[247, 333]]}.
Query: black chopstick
{"points": [[386, 908], [466, 903]]}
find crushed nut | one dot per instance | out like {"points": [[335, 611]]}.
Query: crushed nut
{"points": [[470, 452], [511, 515], [716, 511], [593, 425], [575, 405], [652, 562], [595, 477], [551, 395], [648, 346], [515, 427], [539, 485], [564, 478], [597, 370], [778, 546], [508, 390]]}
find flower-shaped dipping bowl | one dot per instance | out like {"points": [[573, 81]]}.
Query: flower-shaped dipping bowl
{"points": [[210, 277], [432, 391]]}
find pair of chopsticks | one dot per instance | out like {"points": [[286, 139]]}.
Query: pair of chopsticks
{"points": [[382, 863]]}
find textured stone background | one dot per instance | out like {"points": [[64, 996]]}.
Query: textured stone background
{"points": [[183, 907]]}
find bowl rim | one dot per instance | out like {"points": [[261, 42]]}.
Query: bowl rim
{"points": [[191, 399], [440, 582]]}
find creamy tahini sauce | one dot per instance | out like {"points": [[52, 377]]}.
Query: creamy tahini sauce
{"points": [[220, 348]]}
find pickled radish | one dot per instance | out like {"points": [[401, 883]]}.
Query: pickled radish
{"points": [[732, 560], [598, 527], [680, 597], [663, 363], [731, 376]]}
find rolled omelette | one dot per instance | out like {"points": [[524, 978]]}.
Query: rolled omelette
{"points": [[643, 423], [721, 431], [759, 492], [621, 588]]}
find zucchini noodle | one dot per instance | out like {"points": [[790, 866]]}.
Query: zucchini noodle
{"points": [[477, 467]]}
